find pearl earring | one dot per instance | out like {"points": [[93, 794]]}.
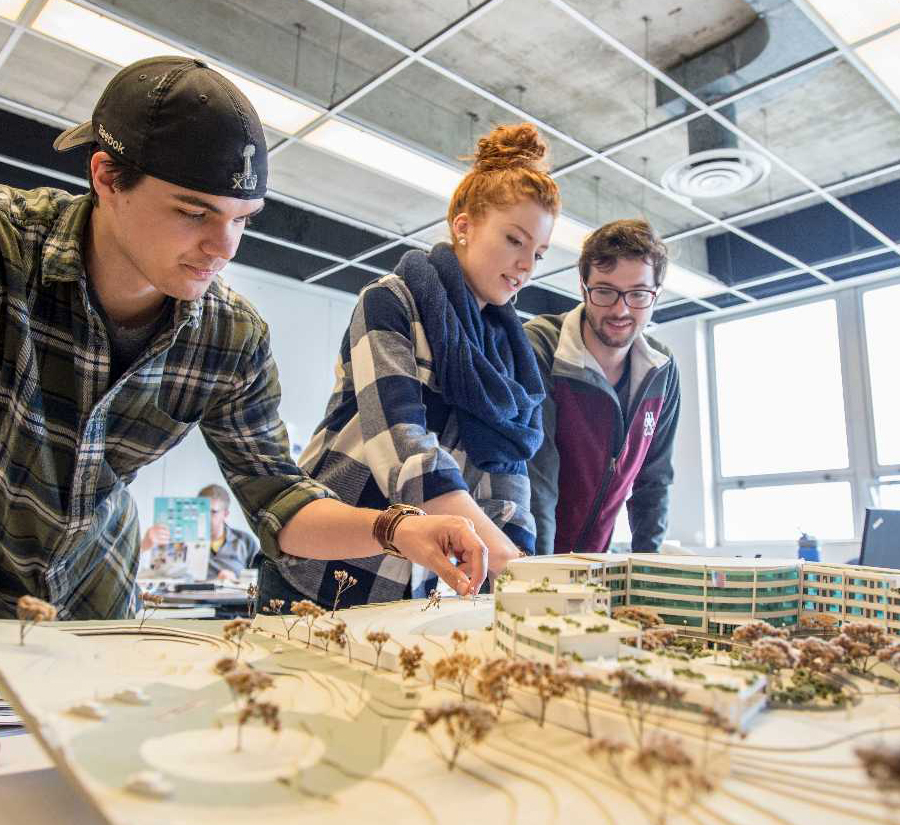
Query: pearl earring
{"points": [[462, 241]]}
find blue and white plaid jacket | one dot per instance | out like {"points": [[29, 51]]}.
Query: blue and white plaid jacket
{"points": [[389, 437]]}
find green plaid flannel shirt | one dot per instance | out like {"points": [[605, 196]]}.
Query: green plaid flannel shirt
{"points": [[70, 442]]}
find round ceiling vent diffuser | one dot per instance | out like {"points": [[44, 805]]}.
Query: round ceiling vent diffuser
{"points": [[716, 173]]}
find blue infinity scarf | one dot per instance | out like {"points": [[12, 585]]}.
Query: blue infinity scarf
{"points": [[484, 363]]}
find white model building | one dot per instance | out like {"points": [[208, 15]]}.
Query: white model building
{"points": [[552, 609]]}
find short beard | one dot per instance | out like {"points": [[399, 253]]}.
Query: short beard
{"points": [[605, 339]]}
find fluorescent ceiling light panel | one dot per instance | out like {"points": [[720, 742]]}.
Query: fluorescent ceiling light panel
{"points": [[274, 109], [855, 19], [690, 284], [882, 56], [384, 156], [569, 281], [11, 9], [98, 35], [569, 233], [120, 44]]}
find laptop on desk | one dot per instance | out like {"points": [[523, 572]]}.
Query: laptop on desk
{"points": [[881, 539]]}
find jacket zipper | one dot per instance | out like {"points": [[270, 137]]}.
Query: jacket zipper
{"points": [[613, 462]]}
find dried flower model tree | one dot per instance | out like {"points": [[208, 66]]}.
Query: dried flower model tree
{"points": [[305, 611], [378, 639], [245, 683], [344, 582], [464, 723], [234, 631], [30, 611], [151, 603]]}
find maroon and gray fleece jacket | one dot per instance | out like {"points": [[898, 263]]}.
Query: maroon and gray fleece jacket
{"points": [[593, 451]]}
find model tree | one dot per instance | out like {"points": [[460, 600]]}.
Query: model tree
{"points": [[30, 611], [643, 617], [861, 643], [715, 721], [245, 685], [338, 635], [344, 582], [638, 694], [610, 749], [252, 593], [753, 631], [306, 611], [658, 638], [151, 602], [434, 600], [456, 668], [546, 681], [774, 654], [493, 684], [464, 724], [583, 685], [817, 655], [665, 759], [825, 622], [378, 639], [225, 665], [459, 639], [890, 656], [234, 631], [274, 606], [410, 660], [882, 765]]}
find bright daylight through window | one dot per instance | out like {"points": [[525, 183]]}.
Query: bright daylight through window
{"points": [[782, 426]]}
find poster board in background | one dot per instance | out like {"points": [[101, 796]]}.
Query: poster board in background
{"points": [[187, 554]]}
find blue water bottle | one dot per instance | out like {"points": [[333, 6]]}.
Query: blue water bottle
{"points": [[808, 547]]}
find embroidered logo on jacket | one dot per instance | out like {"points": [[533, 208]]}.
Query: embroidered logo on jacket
{"points": [[649, 424], [247, 178]]}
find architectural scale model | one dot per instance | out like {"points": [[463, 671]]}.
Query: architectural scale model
{"points": [[714, 594], [533, 706]]}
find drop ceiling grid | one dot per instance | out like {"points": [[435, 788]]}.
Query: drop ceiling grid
{"points": [[649, 135]]}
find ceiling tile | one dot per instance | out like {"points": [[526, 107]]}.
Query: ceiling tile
{"points": [[359, 193], [54, 78], [657, 153], [712, 49], [321, 62], [5, 32], [543, 61], [793, 283], [813, 232], [350, 279], [424, 109], [675, 311], [570, 281], [828, 123], [434, 234], [599, 193], [395, 20]]}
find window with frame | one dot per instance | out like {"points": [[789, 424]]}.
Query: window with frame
{"points": [[804, 398]]}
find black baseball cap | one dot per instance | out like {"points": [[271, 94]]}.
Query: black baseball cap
{"points": [[176, 119]]}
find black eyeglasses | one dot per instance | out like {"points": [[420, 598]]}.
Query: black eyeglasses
{"points": [[606, 296]]}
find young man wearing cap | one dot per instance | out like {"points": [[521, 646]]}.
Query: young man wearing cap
{"points": [[612, 401], [117, 338]]}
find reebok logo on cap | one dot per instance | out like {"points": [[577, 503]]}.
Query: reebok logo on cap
{"points": [[115, 144]]}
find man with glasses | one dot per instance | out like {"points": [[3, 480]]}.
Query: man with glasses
{"points": [[612, 401]]}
